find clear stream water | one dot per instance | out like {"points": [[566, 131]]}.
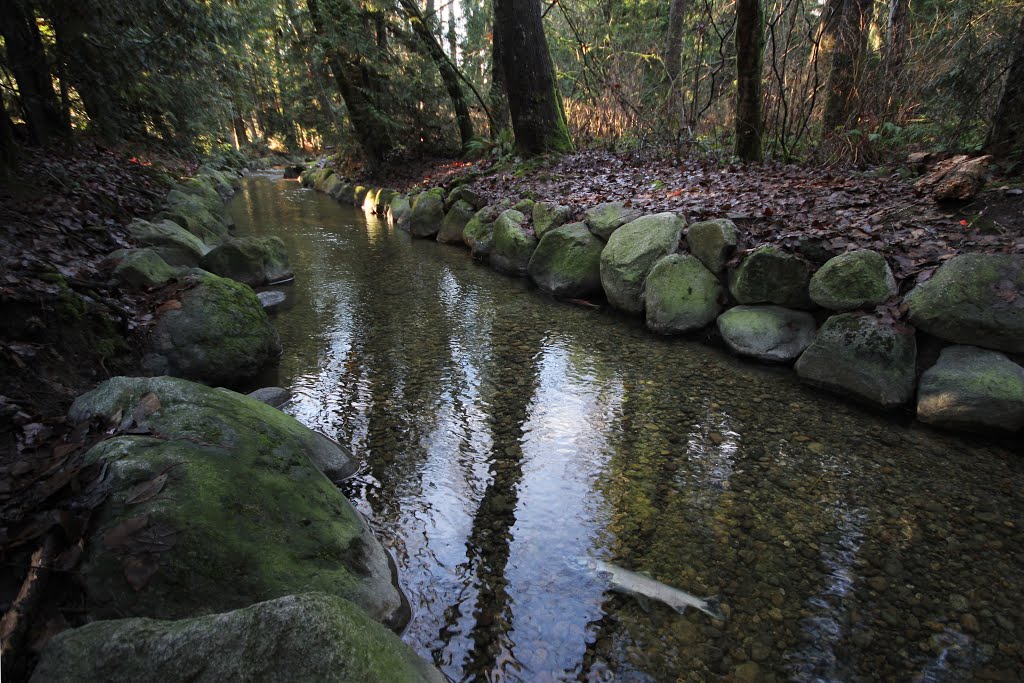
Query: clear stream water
{"points": [[508, 440]]}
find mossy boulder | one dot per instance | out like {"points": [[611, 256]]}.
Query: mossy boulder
{"points": [[681, 295], [482, 224], [853, 280], [466, 194], [512, 244], [567, 261], [332, 185], [307, 637], [359, 195], [384, 197], [524, 206], [455, 222], [320, 182], [862, 357], [398, 208], [631, 252], [547, 216], [370, 200], [219, 334], [252, 260], [343, 193], [208, 227], [713, 242], [769, 333], [215, 504], [293, 171], [202, 189], [604, 219], [427, 213], [769, 275], [141, 269], [217, 181], [975, 299], [175, 245], [972, 388]]}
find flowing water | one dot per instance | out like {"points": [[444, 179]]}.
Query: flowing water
{"points": [[508, 441]]}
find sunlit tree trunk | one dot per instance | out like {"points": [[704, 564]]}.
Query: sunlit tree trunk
{"points": [[534, 102], [848, 27], [749, 45], [896, 33], [1006, 136], [27, 60]]}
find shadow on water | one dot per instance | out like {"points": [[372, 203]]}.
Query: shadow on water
{"points": [[506, 439]]}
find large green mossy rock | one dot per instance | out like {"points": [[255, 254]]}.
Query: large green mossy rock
{"points": [[681, 295], [176, 245], [547, 216], [252, 260], [370, 200], [307, 637], [332, 186], [359, 195], [217, 180], [466, 194], [220, 334], [215, 504], [343, 193], [713, 242], [567, 261], [631, 252], [398, 209], [320, 181], [201, 188], [427, 213], [512, 244], [455, 222], [384, 197], [853, 280], [769, 275], [768, 333], [975, 299], [481, 225], [604, 219], [141, 269], [862, 357], [972, 388], [208, 227]]}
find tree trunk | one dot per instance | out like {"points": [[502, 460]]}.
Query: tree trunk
{"points": [[849, 27], [674, 40], [27, 59], [749, 41], [8, 151], [896, 33], [498, 95], [241, 136], [534, 102], [1006, 136]]}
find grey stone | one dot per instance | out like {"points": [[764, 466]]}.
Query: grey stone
{"points": [[252, 260], [770, 333], [275, 397], [631, 252], [972, 388], [770, 275], [512, 245], [604, 219], [547, 216], [713, 242], [427, 213], [567, 261], [455, 222], [681, 295], [853, 280]]}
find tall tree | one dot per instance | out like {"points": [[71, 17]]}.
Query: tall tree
{"points": [[674, 39], [749, 46], [498, 95], [848, 25], [534, 102], [896, 33], [27, 60], [1006, 135]]}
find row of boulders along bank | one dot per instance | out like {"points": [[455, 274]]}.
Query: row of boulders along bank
{"points": [[955, 354], [223, 549]]}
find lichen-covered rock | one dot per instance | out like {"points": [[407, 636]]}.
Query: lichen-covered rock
{"points": [[770, 333], [512, 244], [201, 188], [852, 280], [370, 200], [320, 182], [547, 216], [681, 295], [466, 194], [307, 637], [604, 219], [252, 260], [216, 504], [186, 211], [861, 356], [524, 206], [176, 245], [141, 268], [359, 195], [455, 222], [398, 209], [332, 186], [769, 275], [344, 192], [220, 334], [567, 261], [384, 197], [275, 397], [427, 213], [631, 252], [972, 388], [482, 224], [713, 242], [975, 299]]}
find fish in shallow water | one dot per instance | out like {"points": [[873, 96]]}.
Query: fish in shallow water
{"points": [[625, 581]]}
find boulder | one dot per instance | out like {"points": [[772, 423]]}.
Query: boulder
{"points": [[306, 637], [863, 357], [466, 194], [604, 219], [975, 299], [427, 213], [631, 252], [175, 245], [275, 397], [218, 333], [201, 188], [481, 249], [208, 227], [713, 242], [512, 244], [482, 223], [215, 503], [370, 200], [252, 260], [141, 269], [769, 275], [972, 388], [217, 181], [359, 195], [955, 179], [853, 280], [398, 208], [567, 261], [271, 300], [455, 222], [344, 193], [769, 333], [681, 295], [384, 197], [547, 216], [524, 206], [292, 172], [320, 182], [332, 186]]}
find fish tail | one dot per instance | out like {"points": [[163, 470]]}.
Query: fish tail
{"points": [[713, 607]]}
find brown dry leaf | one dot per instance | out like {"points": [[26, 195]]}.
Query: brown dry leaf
{"points": [[141, 493], [121, 535], [171, 305], [139, 569]]}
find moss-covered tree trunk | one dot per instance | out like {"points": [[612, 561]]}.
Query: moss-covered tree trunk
{"points": [[1006, 136], [27, 61], [534, 102], [749, 45], [498, 96], [848, 26]]}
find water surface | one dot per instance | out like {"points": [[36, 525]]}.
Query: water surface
{"points": [[506, 439]]}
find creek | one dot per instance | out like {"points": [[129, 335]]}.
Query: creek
{"points": [[508, 441]]}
